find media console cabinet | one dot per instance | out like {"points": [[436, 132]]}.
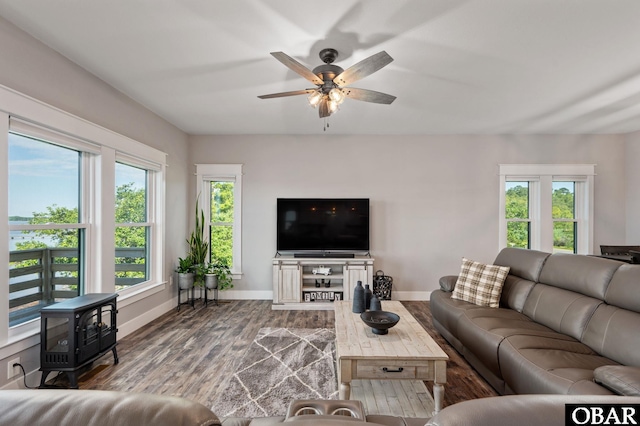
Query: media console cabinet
{"points": [[305, 283]]}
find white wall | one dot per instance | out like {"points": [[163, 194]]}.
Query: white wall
{"points": [[30, 67], [632, 179], [434, 199]]}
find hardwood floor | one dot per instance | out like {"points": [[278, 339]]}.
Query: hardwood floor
{"points": [[191, 353]]}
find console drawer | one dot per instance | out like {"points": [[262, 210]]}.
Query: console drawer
{"points": [[380, 369]]}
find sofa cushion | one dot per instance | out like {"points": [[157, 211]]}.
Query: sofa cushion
{"points": [[613, 332], [482, 330], [515, 292], [525, 264], [548, 364], [447, 311], [564, 311], [586, 275], [620, 379], [480, 284], [623, 288]]}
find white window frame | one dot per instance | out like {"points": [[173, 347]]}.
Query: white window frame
{"points": [[98, 185], [207, 173], [150, 222], [86, 170], [541, 178]]}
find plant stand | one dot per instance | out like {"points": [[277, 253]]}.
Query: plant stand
{"points": [[215, 296], [190, 300]]}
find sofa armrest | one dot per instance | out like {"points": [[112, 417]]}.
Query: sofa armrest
{"points": [[620, 379], [448, 283]]}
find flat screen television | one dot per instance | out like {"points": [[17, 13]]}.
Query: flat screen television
{"points": [[323, 224]]}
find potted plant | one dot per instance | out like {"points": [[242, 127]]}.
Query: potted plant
{"points": [[218, 275], [210, 278], [185, 272], [198, 247]]}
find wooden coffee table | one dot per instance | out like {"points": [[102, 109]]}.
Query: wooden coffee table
{"points": [[407, 352]]}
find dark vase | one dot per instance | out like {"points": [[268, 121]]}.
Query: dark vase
{"points": [[375, 304], [367, 296], [358, 299]]}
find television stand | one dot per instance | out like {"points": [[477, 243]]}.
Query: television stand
{"points": [[320, 254], [312, 283]]}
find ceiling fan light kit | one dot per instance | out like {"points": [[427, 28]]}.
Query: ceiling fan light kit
{"points": [[331, 81]]}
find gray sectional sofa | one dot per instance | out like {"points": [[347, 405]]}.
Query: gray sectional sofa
{"points": [[567, 324]]}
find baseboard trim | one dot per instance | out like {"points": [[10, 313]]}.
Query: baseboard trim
{"points": [[245, 295], [410, 295], [145, 318]]}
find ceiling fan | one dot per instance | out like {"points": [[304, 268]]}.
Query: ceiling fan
{"points": [[332, 81]]}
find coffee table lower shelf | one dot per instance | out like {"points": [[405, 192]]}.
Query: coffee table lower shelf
{"points": [[401, 398]]}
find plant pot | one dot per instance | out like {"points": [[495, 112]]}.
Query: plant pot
{"points": [[185, 280], [211, 281]]}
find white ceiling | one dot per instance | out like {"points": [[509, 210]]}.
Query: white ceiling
{"points": [[461, 67]]}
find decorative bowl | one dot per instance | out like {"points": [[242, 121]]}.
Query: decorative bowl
{"points": [[380, 321]]}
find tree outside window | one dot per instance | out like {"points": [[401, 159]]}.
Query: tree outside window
{"points": [[563, 213], [517, 214], [132, 227], [221, 226]]}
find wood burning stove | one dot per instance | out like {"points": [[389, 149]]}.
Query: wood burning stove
{"points": [[76, 332]]}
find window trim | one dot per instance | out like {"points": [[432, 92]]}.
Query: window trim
{"points": [[541, 178], [231, 173], [99, 183]]}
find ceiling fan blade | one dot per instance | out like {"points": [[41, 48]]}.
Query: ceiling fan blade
{"points": [[323, 108], [296, 66], [283, 94], [363, 68], [368, 95]]}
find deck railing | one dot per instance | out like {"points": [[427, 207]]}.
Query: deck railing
{"points": [[41, 277]]}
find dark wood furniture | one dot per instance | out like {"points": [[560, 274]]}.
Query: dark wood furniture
{"points": [[629, 254]]}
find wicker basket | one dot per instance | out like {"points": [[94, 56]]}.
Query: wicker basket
{"points": [[382, 285]]}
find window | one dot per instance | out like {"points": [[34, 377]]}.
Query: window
{"points": [[81, 205], [220, 192], [547, 207], [565, 225], [517, 214], [132, 227], [221, 223], [46, 227]]}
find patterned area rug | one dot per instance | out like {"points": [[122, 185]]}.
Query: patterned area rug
{"points": [[280, 365]]}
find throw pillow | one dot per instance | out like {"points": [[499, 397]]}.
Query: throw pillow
{"points": [[480, 284]]}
